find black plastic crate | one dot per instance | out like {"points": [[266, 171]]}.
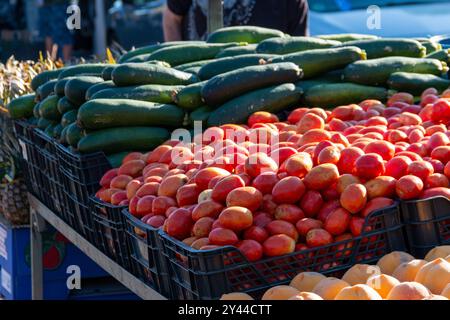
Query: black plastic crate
{"points": [[80, 176], [110, 231], [207, 274], [22, 129], [147, 259], [427, 224]]}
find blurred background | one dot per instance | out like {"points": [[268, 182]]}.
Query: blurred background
{"points": [[129, 23]]}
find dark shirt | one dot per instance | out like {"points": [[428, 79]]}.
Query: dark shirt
{"points": [[289, 16]]}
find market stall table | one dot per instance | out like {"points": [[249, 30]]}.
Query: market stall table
{"points": [[40, 215]]}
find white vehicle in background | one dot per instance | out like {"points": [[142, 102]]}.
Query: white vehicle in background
{"points": [[397, 18]]}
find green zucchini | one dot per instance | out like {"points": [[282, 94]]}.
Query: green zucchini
{"points": [[88, 69], [377, 71], [237, 51], [60, 85], [272, 99], [139, 59], [44, 77], [116, 159], [190, 97], [227, 64], [200, 114], [44, 123], [183, 54], [293, 44], [107, 72], [380, 48], [106, 113], [36, 110], [116, 140], [152, 48], [150, 92], [184, 67], [140, 73], [338, 94], [416, 83], [227, 86], [62, 138], [249, 34], [57, 130], [75, 89], [98, 87], [74, 133], [193, 70], [443, 55], [21, 107], [69, 117], [431, 46], [319, 61], [64, 105], [346, 37], [50, 129], [49, 108], [45, 90]]}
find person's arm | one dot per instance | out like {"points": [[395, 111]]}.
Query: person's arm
{"points": [[172, 26], [298, 18], [173, 16]]}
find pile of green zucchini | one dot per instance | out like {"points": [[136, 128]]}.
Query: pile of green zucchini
{"points": [[136, 103]]}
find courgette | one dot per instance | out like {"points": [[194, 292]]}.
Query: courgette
{"points": [[416, 83], [106, 113], [193, 70], [62, 137], [88, 69], [249, 34], [190, 97], [431, 46], [139, 59], [319, 61], [75, 89], [60, 85], [44, 77], [293, 44], [183, 54], [74, 133], [227, 86], [69, 117], [338, 94], [116, 140], [107, 72], [237, 51], [380, 48], [64, 105], [200, 114], [48, 108], [130, 74], [36, 110], [272, 99], [150, 92], [184, 67], [21, 107], [50, 128], [443, 55], [57, 130], [45, 90], [44, 123], [227, 64], [377, 71], [346, 37], [98, 87], [152, 48]]}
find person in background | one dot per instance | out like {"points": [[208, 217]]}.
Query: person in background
{"points": [[186, 19], [52, 22]]}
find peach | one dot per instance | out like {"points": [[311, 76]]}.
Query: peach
{"points": [[236, 218], [434, 275], [408, 291], [359, 273], [437, 252], [358, 292], [321, 176], [235, 296], [391, 261], [306, 296], [247, 197], [354, 198], [278, 245], [406, 271], [280, 293], [328, 288], [306, 281]]}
